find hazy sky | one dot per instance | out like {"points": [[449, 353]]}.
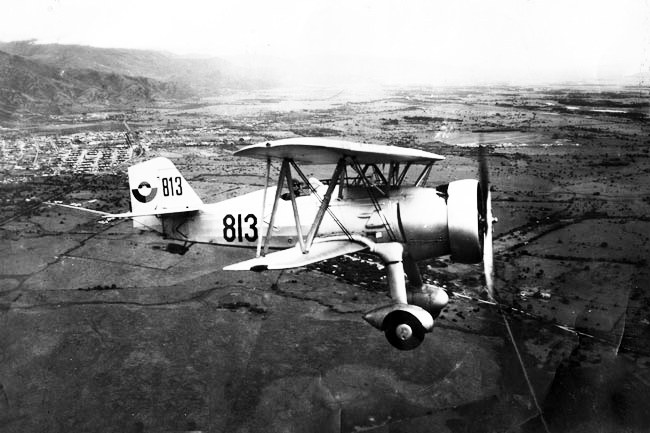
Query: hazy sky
{"points": [[422, 40]]}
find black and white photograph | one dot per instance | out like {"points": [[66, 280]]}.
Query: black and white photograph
{"points": [[325, 216]]}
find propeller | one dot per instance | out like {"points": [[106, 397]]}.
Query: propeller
{"points": [[486, 221], [488, 263]]}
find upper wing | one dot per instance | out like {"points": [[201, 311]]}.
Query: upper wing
{"points": [[321, 249], [318, 150]]}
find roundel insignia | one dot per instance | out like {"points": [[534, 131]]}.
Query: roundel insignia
{"points": [[144, 193]]}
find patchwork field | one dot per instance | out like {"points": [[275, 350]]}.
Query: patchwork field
{"points": [[103, 329]]}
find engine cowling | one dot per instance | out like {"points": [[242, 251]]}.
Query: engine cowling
{"points": [[444, 220], [463, 221]]}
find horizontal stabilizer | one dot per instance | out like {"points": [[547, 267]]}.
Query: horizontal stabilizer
{"points": [[68, 206], [322, 249], [154, 212], [129, 214]]}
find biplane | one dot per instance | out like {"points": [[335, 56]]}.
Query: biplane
{"points": [[376, 200]]}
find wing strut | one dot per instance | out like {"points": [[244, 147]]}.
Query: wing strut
{"points": [[324, 202], [374, 200], [424, 176], [261, 218], [292, 196], [403, 174], [285, 175], [278, 192]]}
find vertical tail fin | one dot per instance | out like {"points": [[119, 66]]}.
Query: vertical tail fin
{"points": [[157, 187]]}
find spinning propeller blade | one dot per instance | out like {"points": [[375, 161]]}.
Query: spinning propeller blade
{"points": [[488, 255], [488, 263], [486, 221]]}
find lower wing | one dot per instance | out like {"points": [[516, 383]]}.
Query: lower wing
{"points": [[321, 249]]}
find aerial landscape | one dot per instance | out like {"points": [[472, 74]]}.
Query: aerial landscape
{"points": [[105, 327]]}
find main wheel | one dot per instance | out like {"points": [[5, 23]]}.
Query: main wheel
{"points": [[403, 330]]}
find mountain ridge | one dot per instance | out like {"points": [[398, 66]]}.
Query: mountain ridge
{"points": [[54, 78]]}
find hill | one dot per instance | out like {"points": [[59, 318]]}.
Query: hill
{"points": [[31, 87], [53, 78], [203, 75]]}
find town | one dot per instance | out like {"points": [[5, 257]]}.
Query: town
{"points": [[100, 151]]}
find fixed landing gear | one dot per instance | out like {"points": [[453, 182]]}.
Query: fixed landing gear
{"points": [[403, 330], [403, 324]]}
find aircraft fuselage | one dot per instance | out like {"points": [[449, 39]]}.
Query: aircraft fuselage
{"points": [[416, 217]]}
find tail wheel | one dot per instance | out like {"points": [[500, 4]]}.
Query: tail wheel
{"points": [[403, 330]]}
